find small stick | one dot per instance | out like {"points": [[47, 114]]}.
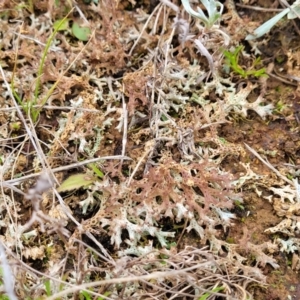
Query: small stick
{"points": [[125, 126], [63, 168], [269, 165]]}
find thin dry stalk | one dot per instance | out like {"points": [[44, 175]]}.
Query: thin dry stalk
{"points": [[30, 131], [27, 267], [8, 280], [43, 184], [149, 148], [52, 48], [68, 167], [154, 275], [125, 126], [269, 165], [258, 8], [143, 29], [51, 107]]}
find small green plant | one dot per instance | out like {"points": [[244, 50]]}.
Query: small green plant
{"points": [[280, 106], [81, 33], [222, 140], [27, 5], [15, 126], [29, 106], [214, 290], [232, 61], [230, 240], [239, 204], [84, 295], [214, 10], [96, 170], [47, 285], [76, 181]]}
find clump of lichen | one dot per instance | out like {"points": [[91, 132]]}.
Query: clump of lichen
{"points": [[197, 192]]}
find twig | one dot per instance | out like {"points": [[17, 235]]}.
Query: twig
{"points": [[31, 133], [171, 5], [154, 275], [7, 275], [182, 233], [143, 29], [125, 126], [286, 4], [148, 148], [53, 108], [268, 165], [259, 8], [38, 42], [81, 14], [282, 79], [95, 251], [12, 187], [68, 68], [44, 275], [64, 168]]}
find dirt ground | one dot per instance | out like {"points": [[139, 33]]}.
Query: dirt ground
{"points": [[182, 168]]}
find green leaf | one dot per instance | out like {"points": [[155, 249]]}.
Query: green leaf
{"points": [[86, 295], [81, 33], [266, 27], [75, 182], [48, 287], [97, 171], [232, 61], [105, 294], [61, 25], [206, 295]]}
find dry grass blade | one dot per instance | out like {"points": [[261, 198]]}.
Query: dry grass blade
{"points": [[8, 280], [68, 167], [30, 131], [183, 273], [269, 165]]}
